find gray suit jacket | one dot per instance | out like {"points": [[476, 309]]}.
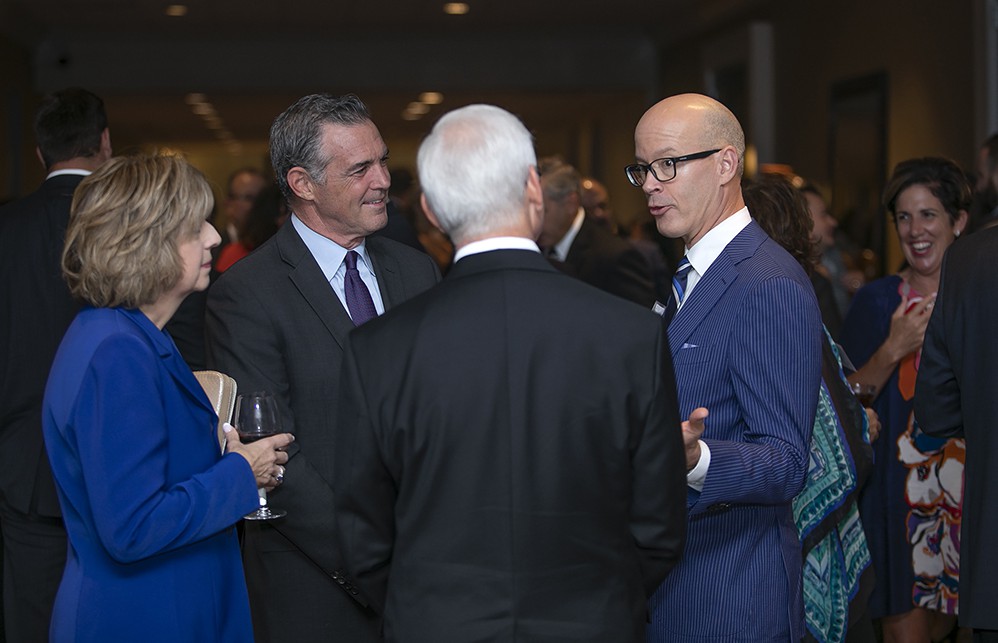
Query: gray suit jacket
{"points": [[274, 324]]}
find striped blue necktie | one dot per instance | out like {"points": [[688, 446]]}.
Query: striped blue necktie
{"points": [[678, 289]]}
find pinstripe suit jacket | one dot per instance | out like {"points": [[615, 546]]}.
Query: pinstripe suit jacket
{"points": [[746, 345]]}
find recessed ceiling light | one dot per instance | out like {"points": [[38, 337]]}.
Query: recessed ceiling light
{"points": [[456, 8], [431, 98], [176, 10], [194, 98], [409, 116], [417, 108], [203, 109]]}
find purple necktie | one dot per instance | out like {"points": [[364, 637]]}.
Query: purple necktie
{"points": [[359, 301]]}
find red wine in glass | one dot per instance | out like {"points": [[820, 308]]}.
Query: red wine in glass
{"points": [[257, 418]]}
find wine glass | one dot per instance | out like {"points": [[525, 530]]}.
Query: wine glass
{"points": [[257, 417], [865, 393]]}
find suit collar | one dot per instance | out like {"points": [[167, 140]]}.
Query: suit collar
{"points": [[391, 281], [168, 353], [499, 260], [62, 183], [722, 273], [564, 247]]}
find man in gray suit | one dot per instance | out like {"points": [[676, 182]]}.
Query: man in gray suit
{"points": [[277, 321]]}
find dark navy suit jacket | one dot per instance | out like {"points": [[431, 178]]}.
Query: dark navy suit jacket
{"points": [[148, 500], [747, 346]]}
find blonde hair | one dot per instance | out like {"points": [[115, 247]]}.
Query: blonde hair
{"points": [[127, 221]]}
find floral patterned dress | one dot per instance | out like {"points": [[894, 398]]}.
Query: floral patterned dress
{"points": [[911, 507]]}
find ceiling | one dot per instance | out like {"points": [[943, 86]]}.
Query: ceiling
{"points": [[252, 59]]}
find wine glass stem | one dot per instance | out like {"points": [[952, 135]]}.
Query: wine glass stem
{"points": [[263, 497]]}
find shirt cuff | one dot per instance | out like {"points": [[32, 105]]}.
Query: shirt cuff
{"points": [[698, 475]]}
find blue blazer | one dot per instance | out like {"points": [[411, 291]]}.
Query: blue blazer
{"points": [[148, 500], [747, 346]]}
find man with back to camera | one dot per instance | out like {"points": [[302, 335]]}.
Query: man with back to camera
{"points": [[72, 141], [520, 477], [277, 321], [745, 335]]}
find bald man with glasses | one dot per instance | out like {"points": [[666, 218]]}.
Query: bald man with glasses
{"points": [[745, 335]]}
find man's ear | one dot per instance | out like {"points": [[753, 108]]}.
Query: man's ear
{"points": [[301, 184], [428, 211], [106, 150], [535, 200], [41, 159], [728, 164]]}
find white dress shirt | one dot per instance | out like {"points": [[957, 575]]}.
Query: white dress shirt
{"points": [[560, 250], [703, 253]]}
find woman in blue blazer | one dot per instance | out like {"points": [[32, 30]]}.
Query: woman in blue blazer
{"points": [[149, 501]]}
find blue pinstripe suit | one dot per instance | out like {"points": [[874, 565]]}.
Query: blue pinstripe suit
{"points": [[747, 346]]}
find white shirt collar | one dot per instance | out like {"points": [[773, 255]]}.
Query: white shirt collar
{"points": [[560, 249], [68, 170], [705, 251], [495, 243]]}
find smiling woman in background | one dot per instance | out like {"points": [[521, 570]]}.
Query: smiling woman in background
{"points": [[911, 506], [149, 501]]}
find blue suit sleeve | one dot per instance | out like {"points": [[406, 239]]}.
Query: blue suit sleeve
{"points": [[775, 369], [123, 434]]}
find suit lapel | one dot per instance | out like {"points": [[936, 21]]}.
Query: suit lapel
{"points": [[309, 280], [174, 364], [579, 252], [388, 273], [712, 286]]}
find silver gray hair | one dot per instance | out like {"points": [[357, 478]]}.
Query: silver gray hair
{"points": [[473, 169]]}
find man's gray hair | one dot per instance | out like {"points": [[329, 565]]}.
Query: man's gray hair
{"points": [[473, 169], [296, 135]]}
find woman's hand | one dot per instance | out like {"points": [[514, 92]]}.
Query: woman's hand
{"points": [[265, 456], [908, 328], [874, 420]]}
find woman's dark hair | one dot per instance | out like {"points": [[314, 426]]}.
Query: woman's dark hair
{"points": [[781, 211], [944, 179]]}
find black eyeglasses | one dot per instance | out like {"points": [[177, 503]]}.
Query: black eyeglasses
{"points": [[662, 169]]}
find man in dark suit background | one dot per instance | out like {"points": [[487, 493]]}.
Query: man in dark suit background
{"points": [[72, 140], [277, 321], [583, 248], [956, 395], [506, 469], [746, 344]]}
